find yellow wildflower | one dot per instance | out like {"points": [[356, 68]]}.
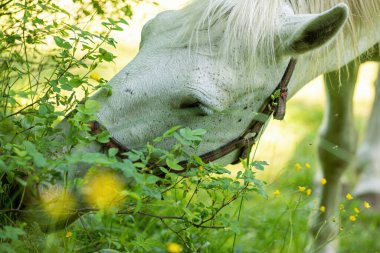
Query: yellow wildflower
{"points": [[57, 202], [322, 209], [301, 188], [307, 166], [69, 234], [174, 248], [95, 76], [201, 168], [323, 181], [104, 190], [297, 166], [309, 192], [367, 205], [356, 210], [352, 218], [276, 193], [349, 196]]}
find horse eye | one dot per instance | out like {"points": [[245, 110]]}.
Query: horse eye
{"points": [[189, 104], [197, 106]]}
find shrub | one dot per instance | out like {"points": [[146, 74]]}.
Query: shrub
{"points": [[48, 62]]}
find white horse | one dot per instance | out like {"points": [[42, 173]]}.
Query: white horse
{"points": [[213, 64]]}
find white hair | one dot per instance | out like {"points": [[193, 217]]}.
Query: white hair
{"points": [[250, 25], [248, 33]]}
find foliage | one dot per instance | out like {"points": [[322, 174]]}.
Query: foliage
{"points": [[46, 58], [48, 63]]}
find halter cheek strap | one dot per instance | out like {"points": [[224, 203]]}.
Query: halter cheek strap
{"points": [[274, 105], [280, 111]]}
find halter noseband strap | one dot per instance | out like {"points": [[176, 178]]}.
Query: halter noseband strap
{"points": [[274, 105]]}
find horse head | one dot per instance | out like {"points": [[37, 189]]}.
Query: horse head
{"points": [[211, 65]]}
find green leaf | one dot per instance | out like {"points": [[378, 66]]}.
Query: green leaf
{"points": [[75, 82], [117, 28], [259, 188], [150, 179], [153, 192], [188, 134], [62, 43], [171, 131], [164, 170], [139, 165], [4, 167], [66, 87], [12, 38], [54, 84], [91, 106], [106, 24], [38, 158], [199, 132], [112, 152], [173, 164], [123, 21], [276, 94], [38, 21], [19, 152], [103, 137], [42, 110], [6, 247], [134, 155], [7, 126], [29, 39], [259, 165], [106, 55], [12, 233], [21, 181]]}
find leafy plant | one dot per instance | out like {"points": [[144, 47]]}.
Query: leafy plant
{"points": [[45, 65], [47, 72]]}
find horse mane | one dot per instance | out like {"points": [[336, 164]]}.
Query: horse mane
{"points": [[249, 31], [250, 27]]}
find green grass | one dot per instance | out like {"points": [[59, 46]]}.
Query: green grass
{"points": [[280, 224], [277, 224]]}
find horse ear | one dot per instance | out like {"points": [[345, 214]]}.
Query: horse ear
{"points": [[303, 33]]}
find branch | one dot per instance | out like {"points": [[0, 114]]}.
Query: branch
{"points": [[161, 217], [23, 109], [4, 4]]}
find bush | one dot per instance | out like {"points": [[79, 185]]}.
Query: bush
{"points": [[47, 68]]}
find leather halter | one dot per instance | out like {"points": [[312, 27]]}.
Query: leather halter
{"points": [[274, 105]]}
